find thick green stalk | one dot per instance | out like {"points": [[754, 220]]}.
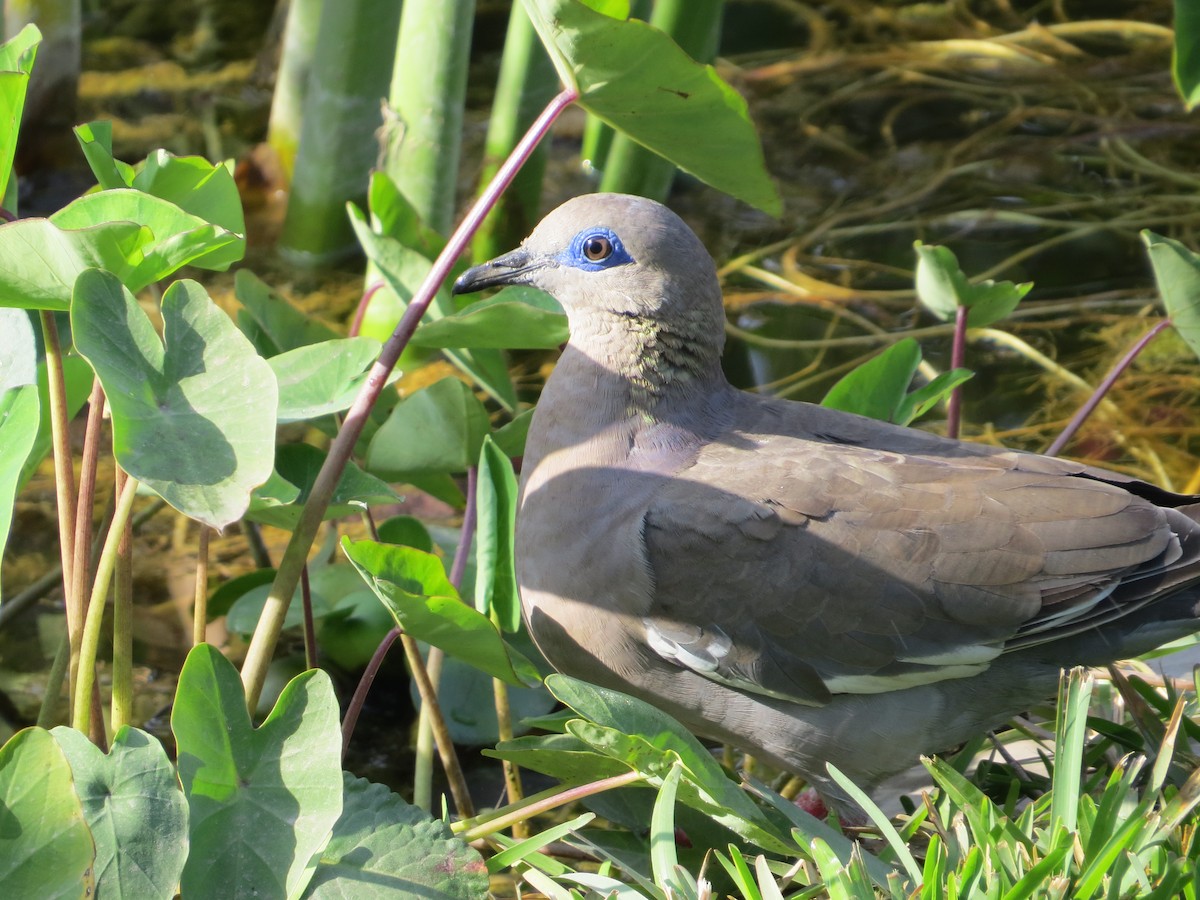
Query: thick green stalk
{"points": [[423, 137], [291, 81], [270, 623], [526, 84], [82, 696], [122, 665], [341, 115], [630, 168]]}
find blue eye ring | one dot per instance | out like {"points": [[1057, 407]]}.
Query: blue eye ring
{"points": [[594, 249]]}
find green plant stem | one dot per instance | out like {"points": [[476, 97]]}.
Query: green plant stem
{"points": [[354, 707], [64, 472], [429, 84], [310, 629], [512, 774], [80, 568], [441, 734], [95, 613], [500, 819], [200, 595], [262, 644], [423, 762], [122, 664]]}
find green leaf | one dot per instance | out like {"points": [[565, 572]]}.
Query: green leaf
{"points": [[285, 326], [879, 387], [178, 238], [16, 62], [943, 288], [196, 186], [39, 261], [18, 349], [439, 429], [194, 420], [510, 438], [96, 140], [319, 379], [1185, 56], [135, 810], [297, 467], [496, 508], [414, 588], [394, 216], [19, 414], [562, 756], [648, 740], [384, 847], [407, 530], [46, 849], [262, 801], [517, 318], [404, 270], [1177, 274], [640, 82]]}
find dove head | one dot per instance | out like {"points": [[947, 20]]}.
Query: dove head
{"points": [[612, 260]]}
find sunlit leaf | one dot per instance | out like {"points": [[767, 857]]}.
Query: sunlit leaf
{"points": [[1177, 274], [496, 511], [96, 140], [1185, 56], [438, 429], [193, 414], [640, 82], [942, 288], [135, 809], [262, 801], [17, 56], [516, 318]]}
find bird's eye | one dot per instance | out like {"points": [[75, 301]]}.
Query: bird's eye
{"points": [[597, 248]]}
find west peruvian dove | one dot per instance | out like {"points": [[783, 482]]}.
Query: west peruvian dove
{"points": [[802, 583]]}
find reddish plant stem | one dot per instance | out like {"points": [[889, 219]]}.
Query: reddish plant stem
{"points": [[80, 568], [310, 628], [262, 644], [1104, 387], [354, 707], [958, 355], [360, 312]]}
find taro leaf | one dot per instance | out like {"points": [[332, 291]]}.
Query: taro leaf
{"points": [[18, 349], [39, 261], [96, 140], [414, 588], [438, 429], [196, 186], [1177, 274], [194, 420], [179, 238], [16, 62], [496, 509], [1185, 58], [651, 742], [319, 379], [407, 530], [943, 288], [297, 466], [510, 438], [46, 850], [394, 216], [879, 387], [262, 801], [222, 599], [18, 429], [560, 756], [135, 810], [517, 318], [245, 612], [285, 326], [382, 846], [404, 269], [640, 82]]}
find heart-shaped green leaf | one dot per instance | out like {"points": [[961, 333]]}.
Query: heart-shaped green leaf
{"points": [[640, 82], [193, 415], [262, 801], [46, 849], [39, 261], [383, 847], [319, 379], [284, 326], [943, 288], [136, 812], [19, 415], [879, 387], [196, 186], [438, 429], [16, 62], [1177, 274]]}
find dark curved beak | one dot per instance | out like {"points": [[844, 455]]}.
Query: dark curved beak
{"points": [[512, 268]]}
